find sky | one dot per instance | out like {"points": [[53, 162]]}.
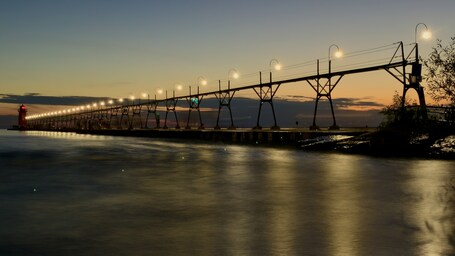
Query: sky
{"points": [[112, 48]]}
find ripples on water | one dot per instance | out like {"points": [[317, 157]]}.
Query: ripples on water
{"points": [[68, 194]]}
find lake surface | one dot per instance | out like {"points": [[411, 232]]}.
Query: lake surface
{"points": [[69, 194]]}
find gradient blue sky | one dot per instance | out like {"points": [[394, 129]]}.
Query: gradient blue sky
{"points": [[117, 48]]}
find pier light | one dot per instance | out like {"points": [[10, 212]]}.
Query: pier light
{"points": [[201, 81], [82, 107], [417, 67], [102, 103], [338, 53], [158, 91], [426, 34], [177, 87], [78, 108], [88, 106], [64, 111], [59, 112], [110, 102], [120, 100], [145, 96], [233, 73], [274, 65], [73, 109], [95, 105]]}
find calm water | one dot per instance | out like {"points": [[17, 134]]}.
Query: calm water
{"points": [[68, 194]]}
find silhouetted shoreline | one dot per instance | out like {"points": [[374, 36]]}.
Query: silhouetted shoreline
{"points": [[389, 143]]}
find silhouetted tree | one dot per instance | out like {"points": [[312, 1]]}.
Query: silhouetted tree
{"points": [[441, 71], [394, 112]]}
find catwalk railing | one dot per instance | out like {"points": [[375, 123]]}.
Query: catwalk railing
{"points": [[131, 115]]}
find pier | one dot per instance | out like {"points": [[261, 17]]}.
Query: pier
{"points": [[145, 117], [285, 136]]}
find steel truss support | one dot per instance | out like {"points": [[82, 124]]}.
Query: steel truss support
{"points": [[171, 105], [194, 102], [266, 94], [324, 90], [103, 118], [136, 112], [224, 100], [113, 113], [410, 80], [151, 109], [125, 114], [84, 125]]}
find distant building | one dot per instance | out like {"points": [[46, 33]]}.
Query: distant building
{"points": [[22, 122]]}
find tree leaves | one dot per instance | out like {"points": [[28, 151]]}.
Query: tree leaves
{"points": [[441, 72]]}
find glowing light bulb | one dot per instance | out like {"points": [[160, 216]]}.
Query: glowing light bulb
{"points": [[338, 54], [426, 34]]}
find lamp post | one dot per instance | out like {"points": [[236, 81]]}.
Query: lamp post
{"points": [[158, 91], [338, 54], [425, 35], [200, 81], [102, 103], [274, 65], [234, 73], [146, 96], [177, 87], [132, 98]]}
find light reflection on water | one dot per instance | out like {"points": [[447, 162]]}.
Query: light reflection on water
{"points": [[99, 195]]}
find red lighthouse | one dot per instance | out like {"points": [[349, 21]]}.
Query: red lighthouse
{"points": [[22, 122]]}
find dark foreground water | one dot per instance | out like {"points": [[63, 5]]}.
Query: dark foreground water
{"points": [[68, 194]]}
